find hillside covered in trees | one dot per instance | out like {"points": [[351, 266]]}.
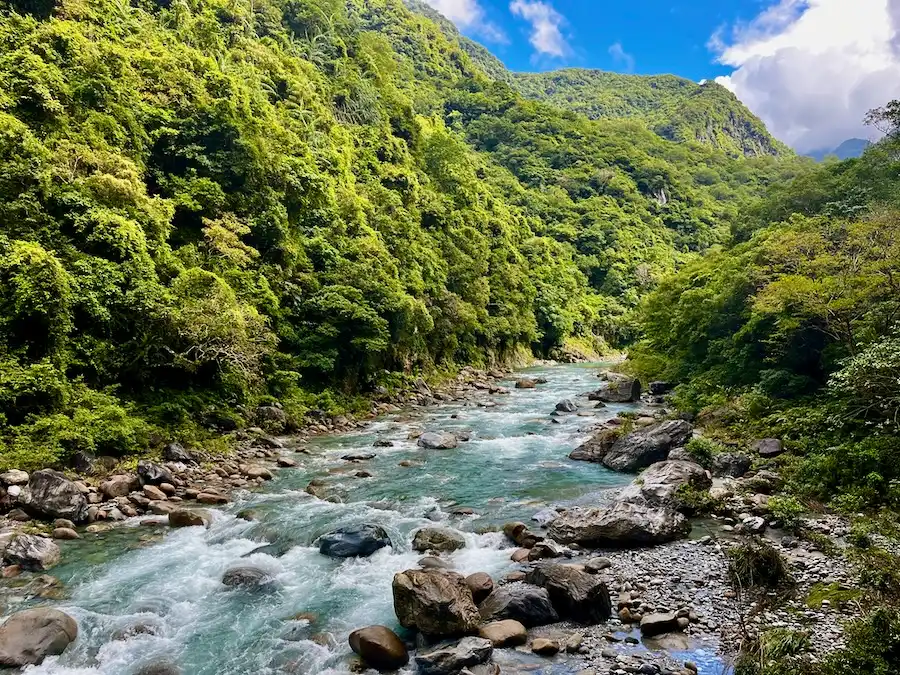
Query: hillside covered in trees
{"points": [[206, 205], [675, 108]]}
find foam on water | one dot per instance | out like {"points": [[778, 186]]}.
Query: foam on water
{"points": [[170, 586]]}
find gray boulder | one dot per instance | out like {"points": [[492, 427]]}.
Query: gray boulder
{"points": [[248, 577], [658, 485], [734, 464], [160, 668], [436, 602], [470, 651], [619, 389], [32, 552], [27, 637], [655, 624], [529, 605], [658, 388], [575, 594], [437, 539], [154, 474], [175, 452], [597, 447], [438, 440], [567, 405], [640, 449], [621, 524], [768, 448], [49, 494], [353, 541], [14, 477]]}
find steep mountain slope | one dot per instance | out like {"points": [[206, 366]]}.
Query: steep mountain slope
{"points": [[675, 108], [205, 206]]}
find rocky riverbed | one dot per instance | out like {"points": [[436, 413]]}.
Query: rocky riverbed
{"points": [[269, 560]]}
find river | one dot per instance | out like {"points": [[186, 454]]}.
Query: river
{"points": [[168, 583]]}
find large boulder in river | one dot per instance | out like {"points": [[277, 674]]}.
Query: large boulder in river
{"points": [[150, 473], [597, 447], [159, 668], [619, 389], [27, 637], [249, 578], [658, 485], [452, 660], [567, 405], [622, 525], [575, 594], [437, 539], [438, 440], [190, 518], [527, 604], [379, 647], [436, 602], [353, 541], [640, 449], [49, 494]]}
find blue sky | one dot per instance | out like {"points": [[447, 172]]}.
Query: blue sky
{"points": [[653, 36], [810, 69]]}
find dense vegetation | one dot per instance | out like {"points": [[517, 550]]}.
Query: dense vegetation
{"points": [[793, 331], [675, 108], [208, 205]]}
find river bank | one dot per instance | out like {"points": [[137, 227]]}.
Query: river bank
{"points": [[145, 595]]}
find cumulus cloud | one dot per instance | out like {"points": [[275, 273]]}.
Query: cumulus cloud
{"points": [[546, 26], [811, 69], [469, 16], [617, 51]]}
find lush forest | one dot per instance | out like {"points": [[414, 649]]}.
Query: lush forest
{"points": [[793, 329], [674, 107], [211, 205]]}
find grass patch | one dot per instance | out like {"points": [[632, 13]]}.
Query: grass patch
{"points": [[834, 593], [772, 652]]}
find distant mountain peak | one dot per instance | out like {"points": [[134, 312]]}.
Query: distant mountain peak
{"points": [[852, 147]]}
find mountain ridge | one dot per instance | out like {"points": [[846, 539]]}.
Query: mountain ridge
{"points": [[673, 107]]}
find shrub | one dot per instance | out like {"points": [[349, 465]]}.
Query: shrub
{"points": [[756, 563], [703, 450], [787, 510], [695, 501], [873, 646]]}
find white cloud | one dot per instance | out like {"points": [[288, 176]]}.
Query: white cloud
{"points": [[469, 16], [617, 51], [811, 69], [546, 26]]}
